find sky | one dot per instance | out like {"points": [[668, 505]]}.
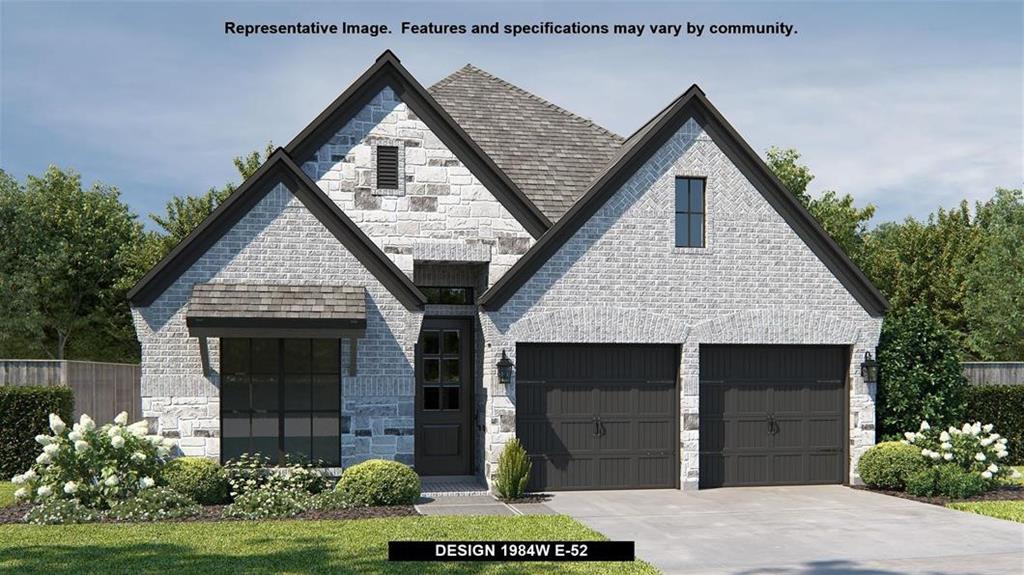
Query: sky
{"points": [[907, 105]]}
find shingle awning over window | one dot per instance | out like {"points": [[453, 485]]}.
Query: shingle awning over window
{"points": [[263, 310]]}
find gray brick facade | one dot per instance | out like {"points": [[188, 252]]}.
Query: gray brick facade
{"points": [[620, 279]]}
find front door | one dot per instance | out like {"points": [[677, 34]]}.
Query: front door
{"points": [[444, 387]]}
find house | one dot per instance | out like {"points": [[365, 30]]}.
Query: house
{"points": [[665, 313]]}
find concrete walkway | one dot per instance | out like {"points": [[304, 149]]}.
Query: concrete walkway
{"points": [[816, 529]]}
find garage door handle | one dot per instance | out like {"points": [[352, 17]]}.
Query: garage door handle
{"points": [[773, 427], [597, 427]]}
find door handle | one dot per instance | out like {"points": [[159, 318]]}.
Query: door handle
{"points": [[597, 427], [773, 427], [600, 425]]}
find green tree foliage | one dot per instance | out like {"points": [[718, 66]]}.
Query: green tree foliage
{"points": [[994, 285], [62, 264], [919, 376]]}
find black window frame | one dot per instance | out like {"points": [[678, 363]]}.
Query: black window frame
{"points": [[388, 181], [282, 457], [435, 294], [688, 212]]}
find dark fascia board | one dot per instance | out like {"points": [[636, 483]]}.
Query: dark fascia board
{"points": [[388, 71], [214, 322], [693, 103], [278, 168]]}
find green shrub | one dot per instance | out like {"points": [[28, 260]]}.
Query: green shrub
{"points": [[61, 511], [154, 504], [948, 480], [513, 470], [919, 373], [888, 464], [1002, 406], [253, 471], [198, 478], [332, 500], [23, 415], [380, 482], [268, 503]]}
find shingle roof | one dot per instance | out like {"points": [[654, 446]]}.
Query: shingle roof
{"points": [[552, 155], [234, 300]]}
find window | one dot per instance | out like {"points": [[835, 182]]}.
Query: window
{"points": [[281, 397], [448, 295], [690, 212], [387, 167]]}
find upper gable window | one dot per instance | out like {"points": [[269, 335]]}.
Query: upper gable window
{"points": [[690, 212], [387, 167]]}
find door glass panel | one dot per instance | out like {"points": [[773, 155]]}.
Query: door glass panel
{"points": [[431, 398], [431, 370], [264, 355], [451, 397], [297, 392], [431, 342], [451, 371], [451, 342], [264, 393], [296, 355]]}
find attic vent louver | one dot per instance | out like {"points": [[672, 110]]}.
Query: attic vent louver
{"points": [[387, 167]]}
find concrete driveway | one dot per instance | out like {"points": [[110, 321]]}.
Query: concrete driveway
{"points": [[819, 529]]}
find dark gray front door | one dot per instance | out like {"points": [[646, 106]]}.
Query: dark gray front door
{"points": [[444, 387], [598, 416], [772, 415]]}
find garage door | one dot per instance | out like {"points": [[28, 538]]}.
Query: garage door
{"points": [[598, 416], [772, 415]]}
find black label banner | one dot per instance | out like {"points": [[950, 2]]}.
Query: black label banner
{"points": [[511, 551]]}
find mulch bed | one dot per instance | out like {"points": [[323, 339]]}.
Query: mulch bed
{"points": [[210, 513], [1004, 493]]}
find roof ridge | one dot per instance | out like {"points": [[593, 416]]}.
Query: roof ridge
{"points": [[590, 123]]}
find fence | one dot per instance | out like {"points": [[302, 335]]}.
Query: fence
{"points": [[994, 372], [101, 389]]}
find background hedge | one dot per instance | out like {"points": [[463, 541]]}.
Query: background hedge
{"points": [[1003, 407], [24, 413]]}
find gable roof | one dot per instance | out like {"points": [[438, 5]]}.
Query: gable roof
{"points": [[638, 149], [551, 153], [387, 71], [279, 168]]}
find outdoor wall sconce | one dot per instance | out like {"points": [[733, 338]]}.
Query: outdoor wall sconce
{"points": [[504, 369], [869, 369]]}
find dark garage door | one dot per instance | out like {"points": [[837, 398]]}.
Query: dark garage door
{"points": [[772, 415], [598, 416]]}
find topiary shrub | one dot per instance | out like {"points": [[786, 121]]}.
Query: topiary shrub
{"points": [[513, 471], [24, 413], [1002, 406], [198, 478], [919, 373], [380, 482], [888, 464], [154, 504]]}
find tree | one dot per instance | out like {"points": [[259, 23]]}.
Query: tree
{"points": [[846, 223], [919, 373], [994, 302], [60, 258]]}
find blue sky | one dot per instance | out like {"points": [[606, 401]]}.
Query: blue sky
{"points": [[910, 106]]}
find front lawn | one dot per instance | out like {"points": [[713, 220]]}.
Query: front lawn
{"points": [[1011, 510], [6, 493], [336, 547]]}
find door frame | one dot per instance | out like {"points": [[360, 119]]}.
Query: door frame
{"points": [[468, 328]]}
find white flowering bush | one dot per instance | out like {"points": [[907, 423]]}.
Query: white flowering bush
{"points": [[53, 511], [97, 466], [269, 502], [252, 472], [153, 505], [975, 448]]}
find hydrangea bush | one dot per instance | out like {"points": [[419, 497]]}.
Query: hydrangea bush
{"points": [[975, 448], [253, 472], [96, 466]]}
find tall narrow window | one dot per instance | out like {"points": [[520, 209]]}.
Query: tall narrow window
{"points": [[387, 167], [690, 212]]}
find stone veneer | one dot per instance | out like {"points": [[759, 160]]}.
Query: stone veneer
{"points": [[620, 279], [441, 208]]}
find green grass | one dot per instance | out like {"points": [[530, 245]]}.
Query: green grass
{"points": [[336, 547], [6, 493], [1011, 510]]}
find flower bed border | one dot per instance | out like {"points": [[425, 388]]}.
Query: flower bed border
{"points": [[214, 513], [1002, 493]]}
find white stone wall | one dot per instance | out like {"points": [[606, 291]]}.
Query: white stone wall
{"points": [[280, 241], [439, 204], [621, 279]]}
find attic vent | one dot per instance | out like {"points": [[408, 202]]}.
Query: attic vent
{"points": [[387, 167]]}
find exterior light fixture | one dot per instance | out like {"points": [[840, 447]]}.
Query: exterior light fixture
{"points": [[504, 369], [869, 369]]}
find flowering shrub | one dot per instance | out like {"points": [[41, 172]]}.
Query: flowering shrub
{"points": [[97, 466], [268, 502], [153, 505], [55, 511], [253, 472], [974, 448], [331, 500]]}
